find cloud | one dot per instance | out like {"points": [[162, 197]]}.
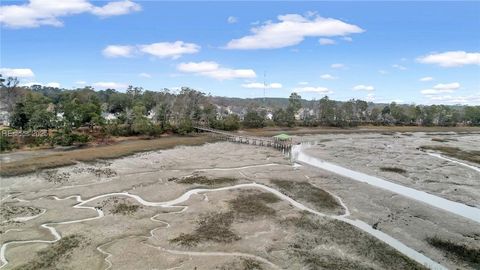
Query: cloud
{"points": [[232, 19], [337, 65], [145, 75], [171, 50], [36, 13], [312, 89], [449, 99], [257, 85], [441, 88], [81, 82], [382, 71], [116, 8], [50, 84], [426, 79], [17, 72], [328, 77], [111, 85], [326, 41], [303, 83], [118, 51], [214, 70], [451, 59], [349, 39], [291, 29], [362, 87], [400, 67]]}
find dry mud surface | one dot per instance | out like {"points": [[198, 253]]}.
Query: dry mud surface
{"points": [[255, 209]]}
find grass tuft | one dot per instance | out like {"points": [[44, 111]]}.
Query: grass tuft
{"points": [[215, 227], [457, 251], [455, 152], [307, 193], [203, 180], [49, 258], [253, 205], [393, 169]]}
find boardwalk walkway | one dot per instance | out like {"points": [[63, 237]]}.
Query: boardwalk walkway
{"points": [[253, 140]]}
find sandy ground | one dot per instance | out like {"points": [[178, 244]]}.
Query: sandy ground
{"points": [[142, 238]]}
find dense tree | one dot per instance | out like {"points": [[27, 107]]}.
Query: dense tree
{"points": [[253, 119]]}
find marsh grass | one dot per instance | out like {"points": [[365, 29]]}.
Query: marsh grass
{"points": [[393, 169], [124, 208], [455, 152], [312, 232], [242, 264], [203, 180], [215, 227], [49, 257], [253, 205], [64, 158], [457, 251], [8, 211], [309, 194]]}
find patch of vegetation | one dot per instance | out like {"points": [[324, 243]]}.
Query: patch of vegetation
{"points": [[98, 172], [455, 152], [57, 252], [248, 206], [8, 211], [53, 176], [203, 180], [457, 251], [393, 169], [124, 208], [439, 140], [304, 246], [242, 264], [306, 193], [215, 227]]}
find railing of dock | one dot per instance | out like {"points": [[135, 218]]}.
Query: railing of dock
{"points": [[284, 145]]}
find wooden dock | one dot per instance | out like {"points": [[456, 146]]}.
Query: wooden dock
{"points": [[284, 145]]}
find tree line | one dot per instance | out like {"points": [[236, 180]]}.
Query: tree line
{"points": [[137, 111]]}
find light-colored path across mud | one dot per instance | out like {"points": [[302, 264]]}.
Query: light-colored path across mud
{"points": [[460, 209], [422, 259]]}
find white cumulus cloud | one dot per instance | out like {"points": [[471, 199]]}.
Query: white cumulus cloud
{"points": [[171, 50], [292, 29], [36, 13], [313, 89], [362, 87], [118, 51], [257, 85], [451, 59], [17, 72], [111, 85], [441, 88], [328, 77], [326, 41], [214, 70], [116, 8], [426, 79], [337, 65]]}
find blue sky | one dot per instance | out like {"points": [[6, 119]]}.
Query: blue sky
{"points": [[376, 51]]}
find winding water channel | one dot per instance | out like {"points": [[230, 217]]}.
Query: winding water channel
{"points": [[298, 155]]}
